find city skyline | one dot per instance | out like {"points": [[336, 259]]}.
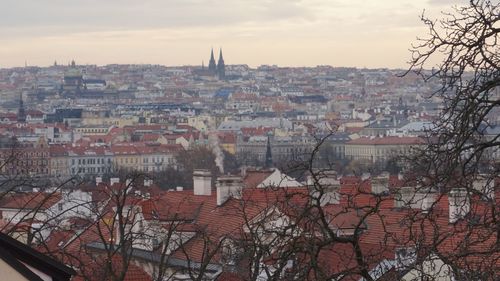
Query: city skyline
{"points": [[286, 33]]}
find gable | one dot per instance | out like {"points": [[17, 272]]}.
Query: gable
{"points": [[278, 179]]}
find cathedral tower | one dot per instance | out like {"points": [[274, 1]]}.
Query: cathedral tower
{"points": [[212, 67], [221, 68]]}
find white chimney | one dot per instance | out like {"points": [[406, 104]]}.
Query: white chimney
{"points": [[98, 180], [380, 184], [243, 171], [485, 186], [128, 182], [114, 180], [427, 202], [459, 204], [228, 186], [179, 188], [202, 182], [148, 182]]}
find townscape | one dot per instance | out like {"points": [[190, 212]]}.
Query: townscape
{"points": [[90, 121], [229, 172]]}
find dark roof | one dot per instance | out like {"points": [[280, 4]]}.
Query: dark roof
{"points": [[17, 254], [310, 98], [94, 81]]}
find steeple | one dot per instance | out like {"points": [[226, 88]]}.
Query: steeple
{"points": [[221, 59], [21, 114], [221, 68], [269, 156], [212, 67]]}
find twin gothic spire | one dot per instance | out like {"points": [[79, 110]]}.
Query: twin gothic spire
{"points": [[218, 69]]}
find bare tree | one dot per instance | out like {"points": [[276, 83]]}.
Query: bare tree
{"points": [[469, 75], [461, 164]]}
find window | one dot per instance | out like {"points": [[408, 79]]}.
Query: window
{"points": [[60, 206]]}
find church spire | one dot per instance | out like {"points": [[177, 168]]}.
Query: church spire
{"points": [[221, 68], [21, 114], [220, 55], [212, 67], [269, 156]]}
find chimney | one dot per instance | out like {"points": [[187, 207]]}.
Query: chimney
{"points": [[459, 204], [427, 202], [485, 186], [114, 180], [179, 188], [98, 180], [243, 171], [148, 182], [128, 182], [228, 186], [202, 182]]}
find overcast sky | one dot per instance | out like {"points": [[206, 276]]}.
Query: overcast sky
{"points": [[362, 33]]}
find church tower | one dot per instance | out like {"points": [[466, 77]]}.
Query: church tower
{"points": [[212, 67], [269, 157], [221, 68], [21, 114]]}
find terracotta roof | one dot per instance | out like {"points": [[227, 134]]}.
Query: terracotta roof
{"points": [[30, 200], [254, 177]]}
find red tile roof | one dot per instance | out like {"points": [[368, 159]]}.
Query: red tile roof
{"points": [[30, 200], [254, 177]]}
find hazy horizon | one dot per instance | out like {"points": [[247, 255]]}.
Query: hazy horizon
{"points": [[294, 33]]}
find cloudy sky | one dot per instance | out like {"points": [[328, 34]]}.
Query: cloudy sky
{"points": [[362, 33]]}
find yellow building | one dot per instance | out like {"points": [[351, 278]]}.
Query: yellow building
{"points": [[100, 130], [110, 121], [126, 157], [59, 161]]}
